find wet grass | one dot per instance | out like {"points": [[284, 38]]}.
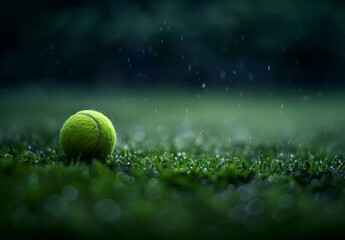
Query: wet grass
{"points": [[186, 166]]}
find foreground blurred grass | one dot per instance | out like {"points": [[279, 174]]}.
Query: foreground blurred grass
{"points": [[186, 165]]}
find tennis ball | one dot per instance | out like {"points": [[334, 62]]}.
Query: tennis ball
{"points": [[87, 134]]}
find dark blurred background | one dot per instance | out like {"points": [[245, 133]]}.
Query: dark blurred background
{"points": [[192, 44]]}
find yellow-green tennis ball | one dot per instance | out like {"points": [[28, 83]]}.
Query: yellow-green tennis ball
{"points": [[87, 134]]}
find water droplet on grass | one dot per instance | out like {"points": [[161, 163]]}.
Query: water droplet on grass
{"points": [[19, 192], [153, 182], [56, 205], [85, 175], [256, 207], [33, 181], [107, 210], [286, 200], [21, 215], [69, 193]]}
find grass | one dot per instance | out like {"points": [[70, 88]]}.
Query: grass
{"points": [[187, 165]]}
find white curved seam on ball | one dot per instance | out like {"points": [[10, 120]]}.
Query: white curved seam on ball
{"points": [[98, 130]]}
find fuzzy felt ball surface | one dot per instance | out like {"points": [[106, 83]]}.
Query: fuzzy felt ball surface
{"points": [[87, 134]]}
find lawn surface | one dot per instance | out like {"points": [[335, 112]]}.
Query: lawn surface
{"points": [[186, 165]]}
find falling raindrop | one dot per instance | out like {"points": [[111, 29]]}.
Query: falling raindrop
{"points": [[281, 108], [203, 85], [222, 74], [242, 66], [250, 76], [139, 136]]}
